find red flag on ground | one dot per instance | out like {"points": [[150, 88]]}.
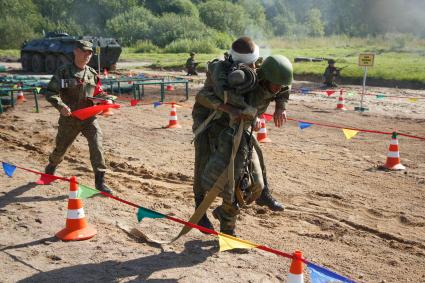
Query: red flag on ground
{"points": [[330, 92], [88, 112], [98, 88], [267, 117], [46, 179]]}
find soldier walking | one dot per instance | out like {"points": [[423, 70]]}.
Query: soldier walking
{"points": [[70, 89]]}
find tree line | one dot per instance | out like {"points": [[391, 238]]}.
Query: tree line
{"points": [[175, 25]]}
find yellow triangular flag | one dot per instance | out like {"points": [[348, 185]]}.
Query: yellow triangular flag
{"points": [[38, 89], [413, 99], [349, 133], [227, 242]]}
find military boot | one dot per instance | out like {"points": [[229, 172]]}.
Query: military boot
{"points": [[50, 169], [224, 227], [99, 178], [204, 221], [266, 199]]}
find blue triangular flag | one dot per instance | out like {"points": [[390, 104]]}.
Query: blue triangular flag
{"points": [[305, 90], [304, 125], [156, 104], [8, 169], [320, 274], [144, 212]]}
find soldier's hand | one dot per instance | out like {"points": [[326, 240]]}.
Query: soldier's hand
{"points": [[65, 111], [279, 117], [257, 124]]}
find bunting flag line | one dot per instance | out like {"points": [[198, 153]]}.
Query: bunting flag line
{"points": [[330, 92], [303, 125], [9, 169], [380, 96], [85, 192], [349, 94], [156, 104], [413, 99], [349, 133], [147, 213], [38, 89], [226, 242], [134, 102]]}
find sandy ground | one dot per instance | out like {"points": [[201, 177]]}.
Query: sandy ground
{"points": [[341, 211]]}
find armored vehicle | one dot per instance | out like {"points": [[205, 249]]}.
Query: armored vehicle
{"points": [[56, 49]]}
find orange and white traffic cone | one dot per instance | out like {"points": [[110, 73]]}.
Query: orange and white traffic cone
{"points": [[340, 105], [20, 96], [393, 157], [296, 274], [173, 123], [262, 132], [76, 228]]}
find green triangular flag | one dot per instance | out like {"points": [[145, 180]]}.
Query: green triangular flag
{"points": [[380, 96], [349, 94], [38, 89], [144, 212], [85, 192]]}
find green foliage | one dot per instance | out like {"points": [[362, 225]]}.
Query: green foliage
{"points": [[181, 7], [171, 27], [224, 16], [132, 25], [188, 45], [145, 46], [314, 24], [221, 40]]}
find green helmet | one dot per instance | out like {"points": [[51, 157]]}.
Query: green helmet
{"points": [[277, 69]]}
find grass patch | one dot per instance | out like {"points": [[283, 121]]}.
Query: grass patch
{"points": [[398, 57]]}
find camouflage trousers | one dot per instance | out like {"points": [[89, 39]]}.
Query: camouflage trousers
{"points": [[220, 140], [68, 130]]}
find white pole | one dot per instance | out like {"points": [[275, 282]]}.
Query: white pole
{"points": [[364, 88], [98, 60]]}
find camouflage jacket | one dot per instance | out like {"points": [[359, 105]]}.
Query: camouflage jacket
{"points": [[71, 86]]}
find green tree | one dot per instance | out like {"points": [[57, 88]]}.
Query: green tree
{"points": [[314, 24], [224, 16], [180, 7], [132, 26], [19, 20]]}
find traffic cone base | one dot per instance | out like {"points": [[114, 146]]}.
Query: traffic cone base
{"points": [[76, 228], [76, 235], [264, 140], [395, 167], [20, 97]]}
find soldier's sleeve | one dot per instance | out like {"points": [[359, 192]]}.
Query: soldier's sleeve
{"points": [[282, 98], [52, 91], [208, 99], [220, 83]]}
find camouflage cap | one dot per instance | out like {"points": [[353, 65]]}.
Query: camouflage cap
{"points": [[84, 45]]}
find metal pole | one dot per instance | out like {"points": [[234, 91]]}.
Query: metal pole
{"points": [[364, 88], [98, 60]]}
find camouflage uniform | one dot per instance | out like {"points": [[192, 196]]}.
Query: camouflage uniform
{"points": [[191, 65], [331, 72], [213, 146], [71, 86]]}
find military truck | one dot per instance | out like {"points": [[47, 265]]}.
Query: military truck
{"points": [[56, 49]]}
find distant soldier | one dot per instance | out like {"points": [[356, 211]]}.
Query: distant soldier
{"points": [[191, 65], [331, 73], [71, 88]]}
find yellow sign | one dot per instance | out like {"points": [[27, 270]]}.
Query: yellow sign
{"points": [[366, 59], [97, 49]]}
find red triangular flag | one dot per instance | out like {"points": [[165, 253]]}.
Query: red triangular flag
{"points": [[88, 112], [98, 88], [267, 117], [330, 92], [46, 179], [134, 102]]}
